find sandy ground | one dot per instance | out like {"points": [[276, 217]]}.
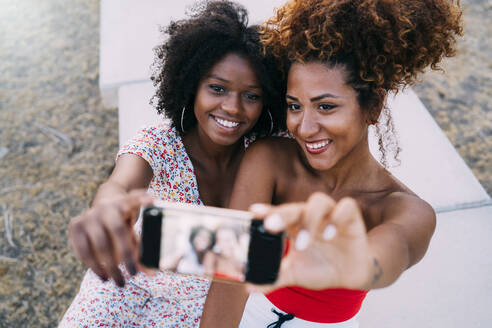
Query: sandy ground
{"points": [[57, 143], [460, 99]]}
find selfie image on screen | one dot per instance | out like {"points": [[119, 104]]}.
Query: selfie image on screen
{"points": [[204, 244]]}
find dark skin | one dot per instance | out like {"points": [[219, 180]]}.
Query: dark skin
{"points": [[398, 223], [327, 176], [369, 196], [227, 105], [385, 222], [211, 170]]}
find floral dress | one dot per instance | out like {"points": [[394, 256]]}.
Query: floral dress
{"points": [[167, 299]]}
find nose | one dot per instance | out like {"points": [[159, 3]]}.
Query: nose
{"points": [[232, 103], [308, 126]]}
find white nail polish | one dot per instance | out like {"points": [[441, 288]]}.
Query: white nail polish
{"points": [[302, 240], [274, 223], [259, 209], [330, 232]]}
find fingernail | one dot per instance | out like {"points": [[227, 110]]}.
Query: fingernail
{"points": [[274, 223], [120, 283], [302, 240], [330, 232], [132, 268], [259, 209]]}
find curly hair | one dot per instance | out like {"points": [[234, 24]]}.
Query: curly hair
{"points": [[194, 45], [382, 44], [198, 229]]}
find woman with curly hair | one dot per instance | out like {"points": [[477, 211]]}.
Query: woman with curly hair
{"points": [[356, 227], [216, 86]]}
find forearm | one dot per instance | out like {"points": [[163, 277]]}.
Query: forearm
{"points": [[402, 240], [131, 172], [389, 258], [108, 189], [224, 305]]}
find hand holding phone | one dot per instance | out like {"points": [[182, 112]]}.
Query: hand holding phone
{"points": [[224, 244]]}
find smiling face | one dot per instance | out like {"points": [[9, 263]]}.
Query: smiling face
{"points": [[226, 241], [202, 240], [228, 102], [323, 114]]}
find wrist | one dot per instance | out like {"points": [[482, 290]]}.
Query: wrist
{"points": [[374, 272], [108, 192]]}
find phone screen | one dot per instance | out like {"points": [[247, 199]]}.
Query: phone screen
{"points": [[212, 243], [220, 243]]}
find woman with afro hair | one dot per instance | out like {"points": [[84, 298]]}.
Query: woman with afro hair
{"points": [[217, 87], [351, 225]]}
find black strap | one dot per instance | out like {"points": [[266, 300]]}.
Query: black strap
{"points": [[281, 319]]}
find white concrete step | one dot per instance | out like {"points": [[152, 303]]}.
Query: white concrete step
{"points": [[135, 111], [430, 165], [450, 288], [130, 30]]}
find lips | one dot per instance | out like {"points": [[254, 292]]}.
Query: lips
{"points": [[225, 123], [318, 146]]}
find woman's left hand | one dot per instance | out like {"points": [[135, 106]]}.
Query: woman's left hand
{"points": [[329, 246]]}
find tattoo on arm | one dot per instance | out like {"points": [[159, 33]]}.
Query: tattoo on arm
{"points": [[378, 272]]}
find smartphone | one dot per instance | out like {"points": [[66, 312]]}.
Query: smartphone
{"points": [[224, 244]]}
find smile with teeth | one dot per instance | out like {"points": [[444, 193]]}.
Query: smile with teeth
{"points": [[226, 123], [319, 144]]}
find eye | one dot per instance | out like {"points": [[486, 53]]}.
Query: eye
{"points": [[252, 96], [218, 89], [293, 107], [326, 107]]}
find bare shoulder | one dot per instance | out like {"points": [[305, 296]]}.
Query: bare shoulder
{"points": [[405, 206], [259, 172], [273, 145], [277, 149], [405, 220]]}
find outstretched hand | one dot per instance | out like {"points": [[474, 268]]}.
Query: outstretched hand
{"points": [[329, 246], [103, 236]]}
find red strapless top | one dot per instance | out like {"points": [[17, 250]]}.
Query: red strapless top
{"points": [[323, 306]]}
